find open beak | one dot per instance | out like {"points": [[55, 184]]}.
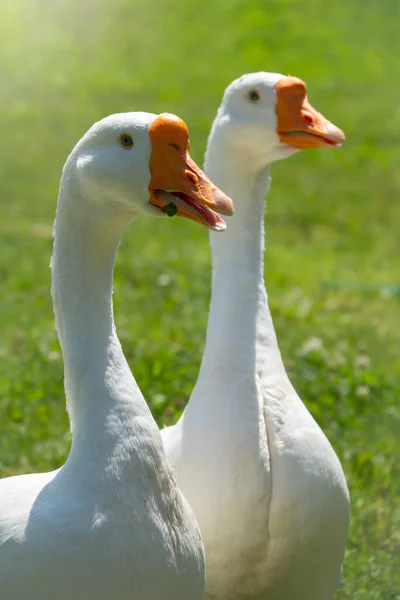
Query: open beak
{"points": [[177, 184], [299, 124]]}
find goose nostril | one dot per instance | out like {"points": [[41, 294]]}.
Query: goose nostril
{"points": [[175, 146], [308, 118], [192, 177]]}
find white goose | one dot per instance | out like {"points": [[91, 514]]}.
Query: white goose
{"points": [[111, 523], [265, 485]]}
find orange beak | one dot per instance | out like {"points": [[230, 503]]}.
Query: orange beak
{"points": [[299, 124], [177, 184]]}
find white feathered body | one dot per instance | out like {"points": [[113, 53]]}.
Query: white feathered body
{"points": [[92, 537]]}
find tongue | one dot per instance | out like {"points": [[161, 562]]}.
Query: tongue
{"points": [[208, 215]]}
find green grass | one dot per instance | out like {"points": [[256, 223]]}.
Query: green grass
{"points": [[332, 236]]}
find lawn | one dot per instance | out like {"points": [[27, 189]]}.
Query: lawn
{"points": [[333, 241]]}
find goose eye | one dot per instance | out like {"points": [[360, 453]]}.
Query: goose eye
{"points": [[126, 140], [254, 95]]}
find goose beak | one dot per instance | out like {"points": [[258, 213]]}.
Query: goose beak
{"points": [[299, 124], [178, 186]]}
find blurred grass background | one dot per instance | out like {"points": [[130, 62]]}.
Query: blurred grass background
{"points": [[332, 262]]}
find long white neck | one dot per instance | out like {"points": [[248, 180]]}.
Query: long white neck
{"points": [[106, 408], [240, 333]]}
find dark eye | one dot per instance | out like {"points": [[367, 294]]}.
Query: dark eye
{"points": [[126, 140], [254, 95]]}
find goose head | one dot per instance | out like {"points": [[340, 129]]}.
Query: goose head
{"points": [[265, 117], [137, 163]]}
